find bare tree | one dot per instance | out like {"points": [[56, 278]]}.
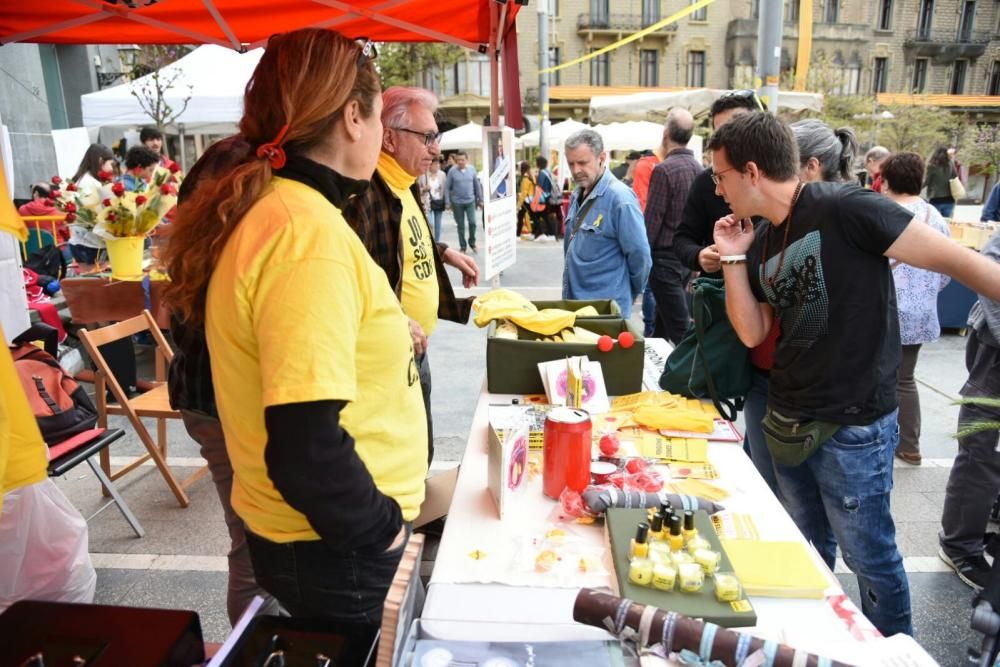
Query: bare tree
{"points": [[152, 83]]}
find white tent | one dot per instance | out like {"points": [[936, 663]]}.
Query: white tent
{"points": [[464, 137], [213, 77], [557, 134], [654, 105], [635, 135]]}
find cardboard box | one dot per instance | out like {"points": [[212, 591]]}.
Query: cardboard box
{"points": [[437, 496], [512, 365]]}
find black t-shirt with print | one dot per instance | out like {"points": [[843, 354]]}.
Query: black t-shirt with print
{"points": [[838, 352]]}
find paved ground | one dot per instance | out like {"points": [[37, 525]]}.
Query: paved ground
{"points": [[181, 561]]}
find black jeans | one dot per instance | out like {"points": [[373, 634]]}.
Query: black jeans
{"points": [[314, 579], [974, 481], [668, 279]]}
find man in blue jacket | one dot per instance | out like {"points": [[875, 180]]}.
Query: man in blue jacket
{"points": [[607, 253]]}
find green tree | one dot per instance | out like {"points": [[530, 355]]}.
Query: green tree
{"points": [[153, 83], [399, 63], [918, 128], [982, 147]]}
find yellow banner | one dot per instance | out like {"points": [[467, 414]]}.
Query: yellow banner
{"points": [[690, 9]]}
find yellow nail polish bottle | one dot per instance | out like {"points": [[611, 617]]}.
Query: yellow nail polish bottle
{"points": [[690, 532], [639, 547], [676, 538]]}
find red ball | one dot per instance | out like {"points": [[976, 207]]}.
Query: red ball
{"points": [[609, 445], [626, 340], [636, 465], [605, 343]]}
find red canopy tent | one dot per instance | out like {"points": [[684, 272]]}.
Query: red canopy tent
{"points": [[484, 25]]}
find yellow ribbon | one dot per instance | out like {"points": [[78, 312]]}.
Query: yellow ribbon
{"points": [[690, 9]]}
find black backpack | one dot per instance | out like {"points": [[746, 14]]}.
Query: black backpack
{"points": [[47, 261], [60, 404]]}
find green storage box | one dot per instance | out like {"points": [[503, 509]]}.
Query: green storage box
{"points": [[512, 365]]}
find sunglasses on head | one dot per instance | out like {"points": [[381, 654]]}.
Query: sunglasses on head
{"points": [[745, 95], [368, 50]]}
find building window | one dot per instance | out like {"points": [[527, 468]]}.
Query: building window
{"points": [[755, 9], [832, 11], [599, 14], [919, 75], [696, 69], [648, 63], [553, 7], [994, 85], [553, 61], [925, 19], [885, 15], [600, 70], [958, 77], [852, 80], [650, 12], [792, 11], [880, 75], [700, 14], [967, 20]]}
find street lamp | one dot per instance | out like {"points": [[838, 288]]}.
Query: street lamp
{"points": [[128, 60]]}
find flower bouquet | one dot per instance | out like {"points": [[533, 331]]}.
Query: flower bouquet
{"points": [[127, 217]]}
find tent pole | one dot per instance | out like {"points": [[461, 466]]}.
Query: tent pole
{"points": [[494, 65], [180, 128]]}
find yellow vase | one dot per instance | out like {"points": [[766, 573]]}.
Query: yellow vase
{"points": [[125, 254]]}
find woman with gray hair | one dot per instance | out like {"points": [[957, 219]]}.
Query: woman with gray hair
{"points": [[825, 154]]}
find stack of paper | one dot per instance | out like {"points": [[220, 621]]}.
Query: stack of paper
{"points": [[777, 569]]}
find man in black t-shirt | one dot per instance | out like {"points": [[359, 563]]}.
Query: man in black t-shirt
{"points": [[818, 262]]}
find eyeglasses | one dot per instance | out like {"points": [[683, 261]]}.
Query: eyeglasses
{"points": [[745, 95], [430, 138], [368, 51], [717, 174]]}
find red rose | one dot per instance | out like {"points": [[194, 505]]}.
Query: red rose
{"points": [[71, 187], [174, 167], [57, 180], [140, 200], [49, 202], [118, 189], [105, 176], [112, 216], [106, 203], [167, 189], [70, 217], [55, 194], [70, 207]]}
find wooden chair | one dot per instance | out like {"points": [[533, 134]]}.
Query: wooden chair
{"points": [[154, 403]]}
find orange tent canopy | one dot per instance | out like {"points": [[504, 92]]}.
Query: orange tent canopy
{"points": [[242, 24]]}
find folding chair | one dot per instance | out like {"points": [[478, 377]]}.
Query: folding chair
{"points": [[154, 403], [70, 453]]}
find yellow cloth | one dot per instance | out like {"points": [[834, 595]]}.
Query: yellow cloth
{"points": [[23, 456], [658, 417], [10, 220], [297, 312], [420, 284], [503, 304]]}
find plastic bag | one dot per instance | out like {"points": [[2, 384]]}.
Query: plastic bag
{"points": [[43, 548]]}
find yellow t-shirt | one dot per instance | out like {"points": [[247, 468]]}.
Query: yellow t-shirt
{"points": [[420, 284], [297, 312], [23, 456]]}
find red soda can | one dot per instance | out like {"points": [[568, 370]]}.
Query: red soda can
{"points": [[566, 451]]}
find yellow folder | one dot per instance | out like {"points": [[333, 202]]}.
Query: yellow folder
{"points": [[776, 569]]}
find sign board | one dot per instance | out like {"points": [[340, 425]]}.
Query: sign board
{"points": [[500, 206]]}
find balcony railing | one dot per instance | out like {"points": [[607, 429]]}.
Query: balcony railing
{"points": [[947, 37], [618, 22]]}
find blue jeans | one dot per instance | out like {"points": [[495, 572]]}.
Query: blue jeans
{"points": [[437, 225], [944, 206], [462, 213], [844, 489], [648, 312], [754, 410], [315, 579]]}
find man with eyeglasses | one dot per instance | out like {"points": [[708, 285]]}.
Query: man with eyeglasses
{"points": [[463, 194], [393, 226]]}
